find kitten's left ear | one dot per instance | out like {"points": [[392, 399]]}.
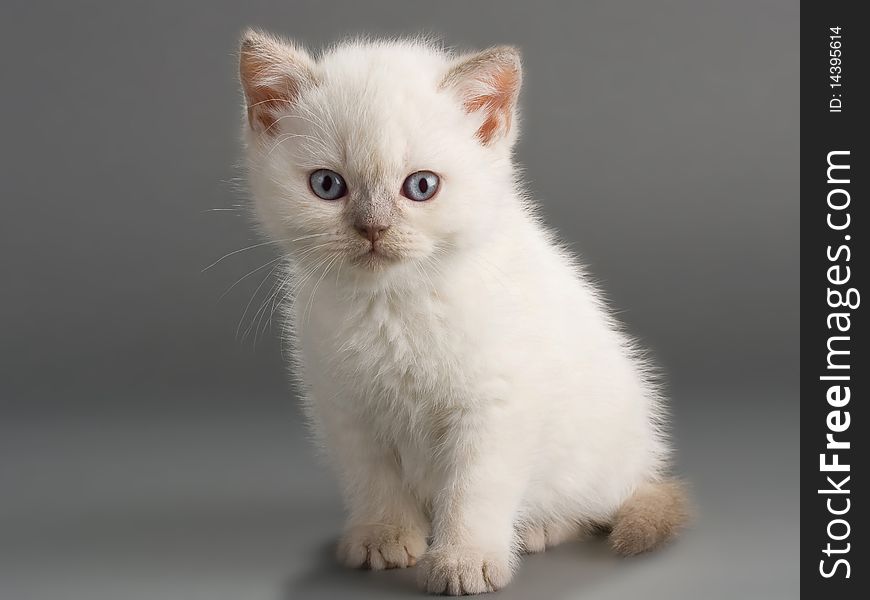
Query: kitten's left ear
{"points": [[273, 73], [489, 81]]}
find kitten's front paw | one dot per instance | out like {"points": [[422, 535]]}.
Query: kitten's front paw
{"points": [[380, 547], [460, 571]]}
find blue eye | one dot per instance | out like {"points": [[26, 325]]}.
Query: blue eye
{"points": [[420, 186], [327, 184]]}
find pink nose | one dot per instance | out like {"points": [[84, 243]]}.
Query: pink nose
{"points": [[372, 232]]}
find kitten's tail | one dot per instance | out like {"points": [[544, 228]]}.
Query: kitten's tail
{"points": [[651, 516]]}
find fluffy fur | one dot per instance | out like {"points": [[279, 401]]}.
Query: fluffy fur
{"points": [[473, 391]]}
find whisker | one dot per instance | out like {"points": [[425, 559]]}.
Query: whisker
{"points": [[268, 243], [238, 281], [234, 252], [258, 316], [254, 295], [338, 272], [308, 237], [263, 324], [276, 289], [296, 280], [275, 302], [290, 136], [282, 117], [316, 285], [296, 258]]}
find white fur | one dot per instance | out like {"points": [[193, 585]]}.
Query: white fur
{"points": [[473, 387]]}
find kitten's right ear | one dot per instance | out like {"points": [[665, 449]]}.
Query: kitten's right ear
{"points": [[273, 73], [489, 82]]}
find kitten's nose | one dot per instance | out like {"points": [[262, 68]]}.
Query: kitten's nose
{"points": [[372, 232]]}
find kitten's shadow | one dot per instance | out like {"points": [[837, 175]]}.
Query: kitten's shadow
{"points": [[558, 573], [329, 580]]}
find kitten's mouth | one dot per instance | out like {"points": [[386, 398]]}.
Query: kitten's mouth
{"points": [[375, 257]]}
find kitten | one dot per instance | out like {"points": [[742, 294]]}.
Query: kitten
{"points": [[463, 373]]}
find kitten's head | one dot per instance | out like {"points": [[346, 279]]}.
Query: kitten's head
{"points": [[380, 154]]}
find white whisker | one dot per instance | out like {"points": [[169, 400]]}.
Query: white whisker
{"points": [[268, 243], [254, 295], [239, 280]]}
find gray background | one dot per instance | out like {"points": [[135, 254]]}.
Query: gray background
{"points": [[147, 452]]}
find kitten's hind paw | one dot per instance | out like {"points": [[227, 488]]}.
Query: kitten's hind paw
{"points": [[537, 537], [379, 547]]}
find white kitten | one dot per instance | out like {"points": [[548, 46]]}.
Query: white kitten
{"points": [[464, 375]]}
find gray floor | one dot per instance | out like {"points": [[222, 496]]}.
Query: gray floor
{"points": [[227, 505]]}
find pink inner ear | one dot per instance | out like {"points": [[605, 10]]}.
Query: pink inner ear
{"points": [[497, 103], [266, 91], [263, 105]]}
